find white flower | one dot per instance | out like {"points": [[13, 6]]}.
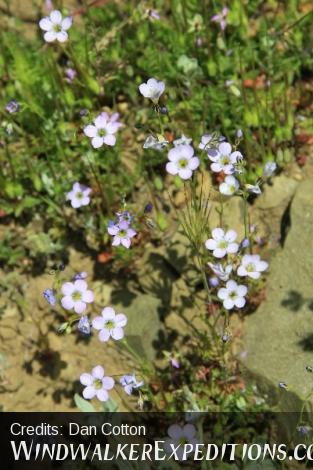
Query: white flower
{"points": [[79, 195], [154, 143], [253, 188], [182, 141], [252, 266], [55, 26], [110, 324], [221, 272], [180, 435], [152, 89], [182, 162], [269, 169], [103, 130], [222, 243], [233, 295], [76, 295], [96, 384], [229, 186], [224, 160], [205, 142]]}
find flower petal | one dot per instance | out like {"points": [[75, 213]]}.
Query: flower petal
{"points": [[90, 131], [68, 288], [67, 302], [185, 174], [218, 234], [98, 372], [224, 148], [104, 335], [89, 393], [79, 307], [67, 23], [108, 313], [120, 319], [108, 383], [117, 333], [86, 379], [62, 36], [171, 168], [102, 395], [45, 24], [50, 36], [56, 17], [98, 323], [175, 431], [109, 139], [97, 142], [88, 296]]}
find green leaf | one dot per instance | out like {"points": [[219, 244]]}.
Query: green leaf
{"points": [[83, 405], [110, 405]]}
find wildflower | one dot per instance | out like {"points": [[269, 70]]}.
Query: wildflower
{"points": [[49, 295], [110, 324], [84, 325], [174, 362], [76, 296], [269, 169], [222, 243], [233, 295], [252, 266], [229, 186], [225, 337], [125, 216], [239, 134], [81, 275], [179, 436], [224, 159], [154, 143], [182, 141], [253, 188], [55, 26], [79, 195], [70, 74], [214, 281], [129, 383], [221, 272], [153, 89], [282, 385], [163, 110], [245, 243], [12, 107], [182, 161], [148, 208], [209, 142], [122, 233], [153, 14], [103, 129], [96, 384], [304, 429], [221, 18]]}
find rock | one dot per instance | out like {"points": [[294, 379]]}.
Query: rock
{"points": [[278, 194], [143, 326], [279, 336], [233, 218]]}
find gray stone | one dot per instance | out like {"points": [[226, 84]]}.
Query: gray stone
{"points": [[143, 326], [277, 194], [279, 336]]}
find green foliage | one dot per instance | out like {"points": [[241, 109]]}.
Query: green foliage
{"points": [[239, 78]]}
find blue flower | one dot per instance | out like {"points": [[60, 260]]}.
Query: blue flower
{"points": [[129, 383], [49, 295], [84, 325]]}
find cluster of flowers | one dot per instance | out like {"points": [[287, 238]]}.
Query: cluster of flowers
{"points": [[121, 229], [221, 245], [75, 296], [183, 162]]}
